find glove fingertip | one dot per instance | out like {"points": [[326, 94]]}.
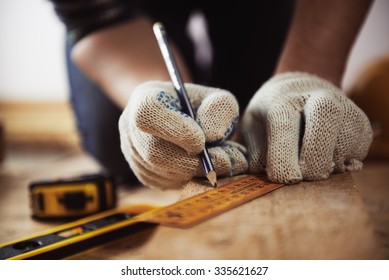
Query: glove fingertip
{"points": [[218, 116], [193, 143], [286, 176]]}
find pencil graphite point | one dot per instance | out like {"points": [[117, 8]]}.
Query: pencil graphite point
{"points": [[212, 178]]}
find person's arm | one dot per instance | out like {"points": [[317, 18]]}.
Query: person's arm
{"points": [[321, 36], [121, 57], [308, 128]]}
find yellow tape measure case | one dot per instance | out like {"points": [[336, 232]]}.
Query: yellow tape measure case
{"points": [[72, 197]]}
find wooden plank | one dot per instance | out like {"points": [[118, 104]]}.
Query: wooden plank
{"points": [[372, 183], [310, 220]]}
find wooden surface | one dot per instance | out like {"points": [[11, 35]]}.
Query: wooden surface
{"points": [[373, 185], [311, 220], [321, 220], [45, 122]]}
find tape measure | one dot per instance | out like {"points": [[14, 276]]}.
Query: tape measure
{"points": [[76, 236], [72, 196]]}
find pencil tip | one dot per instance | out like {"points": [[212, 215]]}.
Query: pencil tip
{"points": [[212, 178]]}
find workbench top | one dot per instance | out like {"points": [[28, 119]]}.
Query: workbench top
{"points": [[309, 220]]}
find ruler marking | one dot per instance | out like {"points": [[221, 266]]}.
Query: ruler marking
{"points": [[203, 206]]}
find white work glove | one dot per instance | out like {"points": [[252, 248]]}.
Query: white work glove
{"points": [[300, 127], [161, 144]]}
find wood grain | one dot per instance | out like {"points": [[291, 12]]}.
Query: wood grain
{"points": [[310, 220]]}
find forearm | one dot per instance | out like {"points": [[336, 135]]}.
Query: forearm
{"points": [[321, 36], [120, 57]]}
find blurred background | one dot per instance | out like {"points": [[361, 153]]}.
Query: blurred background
{"points": [[33, 76], [33, 87]]}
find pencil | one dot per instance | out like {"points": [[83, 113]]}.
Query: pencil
{"points": [[175, 75]]}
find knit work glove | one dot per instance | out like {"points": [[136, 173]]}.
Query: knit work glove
{"points": [[162, 144], [300, 127]]}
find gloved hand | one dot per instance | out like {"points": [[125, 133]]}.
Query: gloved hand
{"points": [[300, 127], [161, 144]]}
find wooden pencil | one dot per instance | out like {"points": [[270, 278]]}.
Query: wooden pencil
{"points": [[175, 75]]}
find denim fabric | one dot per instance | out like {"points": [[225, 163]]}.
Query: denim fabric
{"points": [[97, 122]]}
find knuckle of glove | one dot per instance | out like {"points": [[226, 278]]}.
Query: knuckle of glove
{"points": [[155, 108], [148, 104], [218, 116]]}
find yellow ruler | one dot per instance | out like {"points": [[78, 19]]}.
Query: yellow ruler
{"points": [[73, 237], [196, 209]]}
